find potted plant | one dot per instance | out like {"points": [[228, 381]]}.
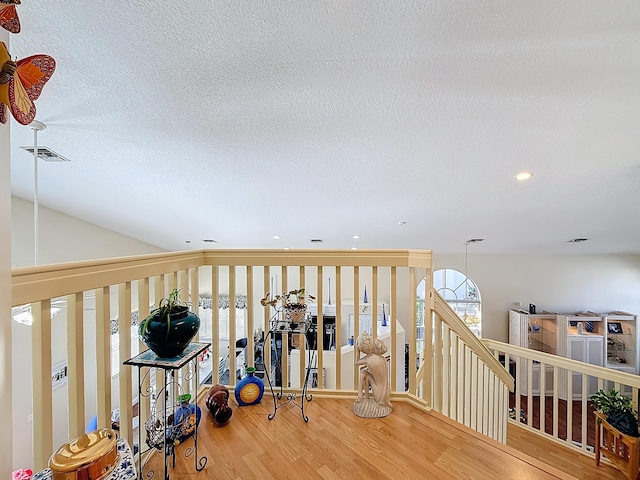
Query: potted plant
{"points": [[618, 410], [170, 327], [293, 305]]}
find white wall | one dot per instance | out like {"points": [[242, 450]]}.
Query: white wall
{"points": [[5, 292], [62, 238], [559, 283]]}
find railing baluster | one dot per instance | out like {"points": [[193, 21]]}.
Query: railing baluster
{"points": [[125, 376], [556, 413], [453, 413], [75, 355], [583, 433], [543, 397], [302, 358], [479, 394], [103, 357], [445, 386], [159, 293], [42, 394], [517, 400], [438, 365], [144, 400], [320, 330], [569, 406], [374, 299], [426, 392], [487, 399], [338, 301], [529, 393], [473, 408], [266, 349], [356, 326], [467, 386], [393, 315]]}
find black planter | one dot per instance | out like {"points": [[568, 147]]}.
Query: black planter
{"points": [[170, 343]]}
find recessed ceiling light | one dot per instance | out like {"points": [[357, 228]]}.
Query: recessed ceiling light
{"points": [[354, 248], [524, 176], [276, 237], [402, 222], [577, 240], [355, 237]]}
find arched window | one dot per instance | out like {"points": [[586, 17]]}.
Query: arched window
{"points": [[462, 294]]}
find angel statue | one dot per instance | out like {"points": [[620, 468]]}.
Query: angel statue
{"points": [[374, 391]]}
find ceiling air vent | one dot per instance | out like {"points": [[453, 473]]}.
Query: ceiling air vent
{"points": [[316, 240], [577, 240], [46, 154]]}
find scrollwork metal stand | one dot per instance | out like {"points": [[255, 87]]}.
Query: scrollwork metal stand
{"points": [[161, 433], [284, 328]]}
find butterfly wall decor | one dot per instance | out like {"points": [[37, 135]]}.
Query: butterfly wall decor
{"points": [[21, 83], [9, 15]]}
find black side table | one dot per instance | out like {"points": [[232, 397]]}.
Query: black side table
{"points": [[156, 426]]}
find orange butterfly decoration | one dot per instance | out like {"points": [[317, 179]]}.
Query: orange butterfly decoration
{"points": [[9, 15], [21, 83]]}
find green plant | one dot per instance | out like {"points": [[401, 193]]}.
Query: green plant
{"points": [[162, 313], [611, 402], [288, 299]]}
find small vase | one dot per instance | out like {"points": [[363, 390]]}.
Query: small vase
{"points": [[250, 389]]}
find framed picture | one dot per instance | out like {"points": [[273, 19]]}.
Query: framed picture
{"points": [[59, 375], [614, 327], [312, 381]]}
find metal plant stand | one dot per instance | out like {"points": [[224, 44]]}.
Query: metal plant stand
{"points": [[160, 432], [281, 399]]}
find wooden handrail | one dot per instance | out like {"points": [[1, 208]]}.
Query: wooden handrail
{"points": [[446, 313], [566, 363]]}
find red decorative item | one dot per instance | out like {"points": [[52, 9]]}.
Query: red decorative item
{"points": [[9, 15], [22, 474], [21, 83]]}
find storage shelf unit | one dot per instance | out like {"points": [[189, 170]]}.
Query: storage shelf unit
{"points": [[536, 332], [609, 340], [622, 348], [581, 338]]}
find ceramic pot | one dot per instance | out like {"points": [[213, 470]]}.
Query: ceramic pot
{"points": [[249, 389], [217, 402], [171, 342]]}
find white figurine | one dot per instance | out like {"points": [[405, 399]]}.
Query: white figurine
{"points": [[373, 376]]}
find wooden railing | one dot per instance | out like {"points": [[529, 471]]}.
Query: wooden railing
{"points": [[100, 294], [466, 382], [566, 414]]}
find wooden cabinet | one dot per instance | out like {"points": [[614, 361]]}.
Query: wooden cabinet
{"points": [[535, 331], [621, 342], [588, 349], [609, 340]]}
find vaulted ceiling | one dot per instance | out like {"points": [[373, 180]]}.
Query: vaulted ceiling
{"points": [[240, 120]]}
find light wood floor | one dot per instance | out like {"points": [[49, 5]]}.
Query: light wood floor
{"points": [[335, 444]]}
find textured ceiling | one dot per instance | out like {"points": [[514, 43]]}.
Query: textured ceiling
{"points": [[240, 120]]}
